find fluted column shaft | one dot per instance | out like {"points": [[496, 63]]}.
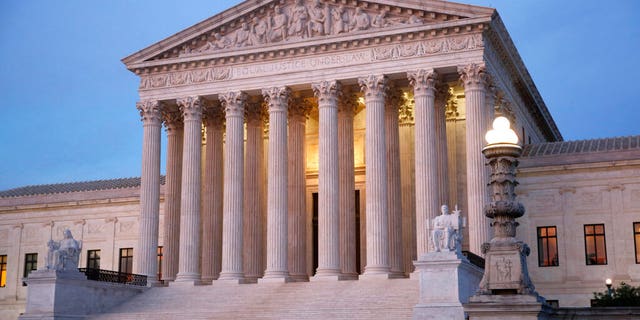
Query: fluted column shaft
{"points": [[328, 180], [277, 224], [298, 112], [173, 186], [377, 217], [441, 98], [189, 259], [427, 193], [474, 80], [232, 209], [213, 194], [392, 134], [253, 235], [347, 106], [149, 191]]}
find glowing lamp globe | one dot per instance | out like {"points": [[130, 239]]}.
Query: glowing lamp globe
{"points": [[501, 133]]}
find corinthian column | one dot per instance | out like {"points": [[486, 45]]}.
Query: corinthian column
{"points": [[298, 111], [474, 78], [277, 233], [173, 186], [328, 181], [427, 192], [212, 194], [189, 260], [441, 99], [149, 191], [253, 213], [346, 111], [232, 208], [392, 129], [377, 216]]}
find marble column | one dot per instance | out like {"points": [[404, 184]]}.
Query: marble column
{"points": [[253, 235], [347, 106], [327, 93], [212, 192], [441, 97], [427, 192], [377, 214], [298, 111], [474, 78], [277, 205], [189, 259], [233, 207], [149, 191], [451, 116], [394, 100], [173, 186]]}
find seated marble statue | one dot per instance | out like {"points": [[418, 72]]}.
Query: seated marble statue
{"points": [[64, 255], [447, 230]]}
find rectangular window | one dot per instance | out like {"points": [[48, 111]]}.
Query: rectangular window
{"points": [[93, 259], [159, 262], [126, 260], [30, 263], [594, 244], [547, 247], [3, 270], [636, 237]]}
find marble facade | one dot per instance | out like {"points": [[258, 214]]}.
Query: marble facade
{"points": [[276, 112]]}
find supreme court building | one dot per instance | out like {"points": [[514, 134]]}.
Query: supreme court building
{"points": [[315, 140]]}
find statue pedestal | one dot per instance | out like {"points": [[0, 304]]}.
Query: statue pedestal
{"points": [[507, 307], [447, 280], [52, 294]]}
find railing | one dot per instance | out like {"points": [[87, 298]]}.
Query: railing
{"points": [[476, 260], [114, 276]]}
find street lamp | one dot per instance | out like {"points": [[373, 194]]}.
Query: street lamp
{"points": [[608, 282]]}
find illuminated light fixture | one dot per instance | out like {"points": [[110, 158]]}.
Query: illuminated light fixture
{"points": [[501, 134]]}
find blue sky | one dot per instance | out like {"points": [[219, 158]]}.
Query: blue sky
{"points": [[68, 104]]}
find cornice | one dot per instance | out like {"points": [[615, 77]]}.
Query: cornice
{"points": [[499, 39]]}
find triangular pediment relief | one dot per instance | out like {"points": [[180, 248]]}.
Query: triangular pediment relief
{"points": [[257, 24]]}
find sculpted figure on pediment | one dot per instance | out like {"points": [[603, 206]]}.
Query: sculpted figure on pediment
{"points": [[380, 21], [339, 20], [279, 26], [259, 31], [299, 20], [360, 20], [317, 19], [243, 36], [219, 42]]}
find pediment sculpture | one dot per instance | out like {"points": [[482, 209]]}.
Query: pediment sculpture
{"points": [[64, 255], [300, 20]]}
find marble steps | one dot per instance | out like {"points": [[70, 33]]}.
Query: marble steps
{"points": [[363, 299]]}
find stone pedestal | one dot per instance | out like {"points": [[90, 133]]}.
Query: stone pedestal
{"points": [[507, 307], [447, 280]]}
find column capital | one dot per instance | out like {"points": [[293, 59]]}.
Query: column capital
{"points": [[256, 111], [503, 106], [423, 81], [442, 96], [394, 99], [172, 120], [373, 86], [213, 114], [191, 107], [233, 103], [473, 76], [150, 111], [348, 103], [300, 107], [277, 98], [327, 93]]}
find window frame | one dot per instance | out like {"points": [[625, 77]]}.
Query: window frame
{"points": [[542, 250], [636, 241], [160, 255], [595, 236], [30, 260], [91, 261], [128, 260], [3, 270]]}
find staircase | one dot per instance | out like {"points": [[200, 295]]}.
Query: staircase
{"points": [[352, 300]]}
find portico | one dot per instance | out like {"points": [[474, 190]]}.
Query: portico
{"points": [[301, 96]]}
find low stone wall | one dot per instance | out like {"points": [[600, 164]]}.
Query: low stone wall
{"points": [[55, 294], [604, 313]]}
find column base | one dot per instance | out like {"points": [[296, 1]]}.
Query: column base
{"points": [[285, 279]]}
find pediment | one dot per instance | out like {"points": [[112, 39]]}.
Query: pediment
{"points": [[260, 25]]}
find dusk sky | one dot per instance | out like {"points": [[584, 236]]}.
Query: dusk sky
{"points": [[68, 104]]}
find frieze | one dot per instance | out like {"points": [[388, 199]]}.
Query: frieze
{"points": [[391, 52]]}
